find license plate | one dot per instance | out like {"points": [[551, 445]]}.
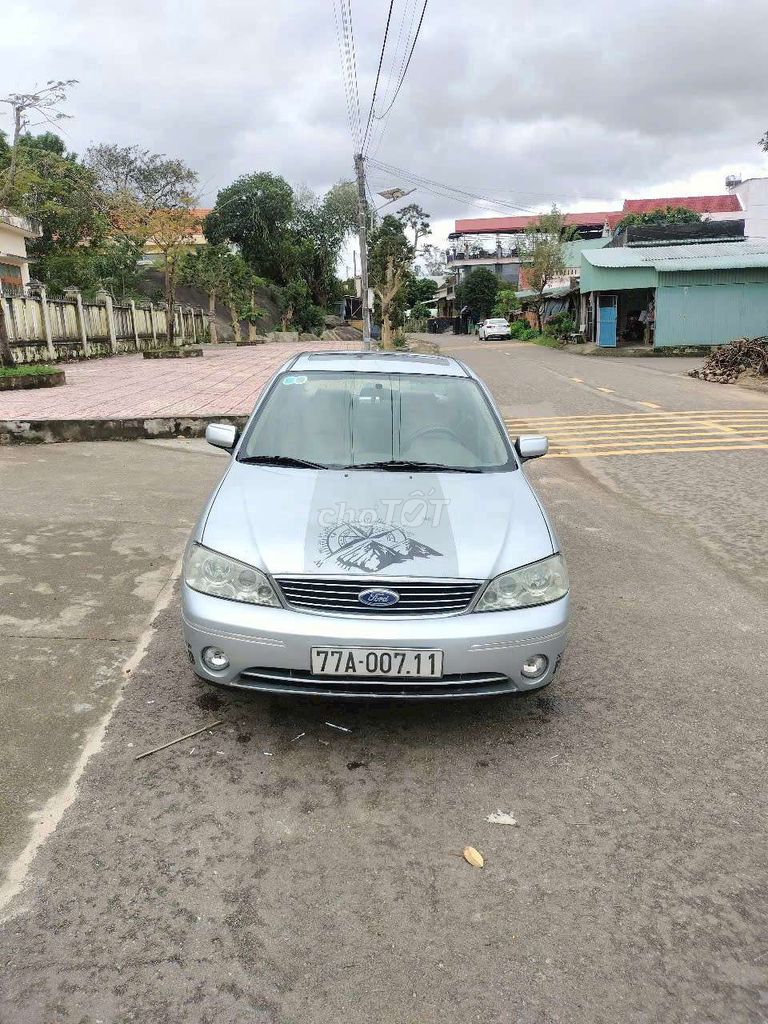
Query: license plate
{"points": [[384, 662]]}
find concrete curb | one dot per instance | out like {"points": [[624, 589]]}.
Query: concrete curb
{"points": [[26, 431]]}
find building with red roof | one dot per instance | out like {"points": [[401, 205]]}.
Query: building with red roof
{"points": [[492, 241]]}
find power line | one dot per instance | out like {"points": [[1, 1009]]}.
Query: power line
{"points": [[429, 184], [353, 61], [395, 72], [408, 64], [347, 97], [345, 78], [378, 72], [347, 56]]}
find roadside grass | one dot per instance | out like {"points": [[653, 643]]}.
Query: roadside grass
{"points": [[29, 370], [547, 340]]}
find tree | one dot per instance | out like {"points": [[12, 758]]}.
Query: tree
{"points": [[763, 143], [340, 208], [316, 236], [44, 103], [506, 303], [434, 261], [256, 213], [298, 308], [150, 180], [419, 290], [477, 292], [661, 215], [417, 219], [237, 290], [208, 268], [542, 251], [390, 256], [172, 231], [54, 188]]}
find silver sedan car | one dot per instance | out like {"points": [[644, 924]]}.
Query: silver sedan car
{"points": [[374, 536]]}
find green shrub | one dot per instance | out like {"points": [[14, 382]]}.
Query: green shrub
{"points": [[560, 325], [521, 330]]}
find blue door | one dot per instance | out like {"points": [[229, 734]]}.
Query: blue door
{"points": [[606, 320]]}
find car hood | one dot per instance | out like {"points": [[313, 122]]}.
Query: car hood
{"points": [[364, 522]]}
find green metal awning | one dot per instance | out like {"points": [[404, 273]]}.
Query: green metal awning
{"points": [[670, 258]]}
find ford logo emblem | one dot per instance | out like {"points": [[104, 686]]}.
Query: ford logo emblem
{"points": [[378, 598]]}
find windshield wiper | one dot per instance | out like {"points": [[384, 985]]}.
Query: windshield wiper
{"points": [[401, 465], [280, 460]]}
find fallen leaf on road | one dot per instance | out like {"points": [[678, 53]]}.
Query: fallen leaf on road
{"points": [[473, 857], [501, 818]]}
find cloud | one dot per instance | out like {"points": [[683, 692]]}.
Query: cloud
{"points": [[579, 103]]}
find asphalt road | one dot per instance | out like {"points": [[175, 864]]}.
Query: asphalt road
{"points": [[277, 869]]}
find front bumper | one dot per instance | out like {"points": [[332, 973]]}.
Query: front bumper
{"points": [[269, 648]]}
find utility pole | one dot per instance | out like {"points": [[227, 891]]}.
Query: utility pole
{"points": [[362, 208]]}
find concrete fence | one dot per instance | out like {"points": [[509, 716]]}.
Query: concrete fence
{"points": [[43, 330]]}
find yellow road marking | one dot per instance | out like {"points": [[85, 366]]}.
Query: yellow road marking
{"points": [[646, 433], [589, 446], [649, 415], [651, 405], [644, 417], [658, 451], [653, 433]]}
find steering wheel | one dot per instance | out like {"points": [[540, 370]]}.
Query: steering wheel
{"points": [[426, 431]]}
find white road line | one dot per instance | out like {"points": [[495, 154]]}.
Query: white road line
{"points": [[56, 806]]}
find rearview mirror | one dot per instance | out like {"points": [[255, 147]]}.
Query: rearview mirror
{"points": [[531, 446], [221, 435]]}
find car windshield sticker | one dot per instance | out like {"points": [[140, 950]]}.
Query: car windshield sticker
{"points": [[409, 528]]}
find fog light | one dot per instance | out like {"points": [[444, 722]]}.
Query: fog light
{"points": [[215, 659], [533, 667]]}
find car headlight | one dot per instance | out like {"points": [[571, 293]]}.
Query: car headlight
{"points": [[221, 576], [538, 583]]}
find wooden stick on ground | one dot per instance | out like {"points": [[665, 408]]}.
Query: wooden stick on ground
{"points": [[181, 739]]}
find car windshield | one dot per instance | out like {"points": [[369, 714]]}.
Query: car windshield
{"points": [[335, 419], [498, 321]]}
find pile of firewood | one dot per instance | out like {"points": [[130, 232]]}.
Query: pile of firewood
{"points": [[727, 363]]}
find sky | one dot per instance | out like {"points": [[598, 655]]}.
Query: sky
{"points": [[580, 103]]}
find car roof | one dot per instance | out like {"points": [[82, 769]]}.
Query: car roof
{"points": [[379, 362]]}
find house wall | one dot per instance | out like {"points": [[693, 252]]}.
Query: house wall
{"points": [[753, 195], [710, 307], [13, 243]]}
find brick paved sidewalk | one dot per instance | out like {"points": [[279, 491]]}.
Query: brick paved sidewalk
{"points": [[225, 381]]}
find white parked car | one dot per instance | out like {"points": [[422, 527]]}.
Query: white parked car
{"points": [[497, 327]]}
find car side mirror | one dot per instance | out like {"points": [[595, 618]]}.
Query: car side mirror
{"points": [[531, 446], [221, 435]]}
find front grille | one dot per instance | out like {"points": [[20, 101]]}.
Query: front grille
{"points": [[417, 597], [297, 682]]}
